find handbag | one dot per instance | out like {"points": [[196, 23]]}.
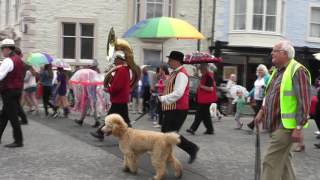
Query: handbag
{"points": [[39, 91]]}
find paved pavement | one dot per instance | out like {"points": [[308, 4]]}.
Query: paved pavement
{"points": [[60, 149]]}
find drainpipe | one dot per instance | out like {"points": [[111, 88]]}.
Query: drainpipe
{"points": [[213, 22], [199, 22]]}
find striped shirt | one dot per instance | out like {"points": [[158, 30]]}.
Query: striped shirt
{"points": [[302, 89]]}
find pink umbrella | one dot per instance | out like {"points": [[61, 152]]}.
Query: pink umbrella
{"points": [[200, 57], [86, 77]]}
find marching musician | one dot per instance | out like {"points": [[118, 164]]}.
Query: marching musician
{"points": [[119, 91]]}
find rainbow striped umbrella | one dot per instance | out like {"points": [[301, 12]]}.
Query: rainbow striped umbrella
{"points": [[38, 59], [163, 28]]}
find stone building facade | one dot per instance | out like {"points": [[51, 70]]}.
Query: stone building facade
{"points": [[77, 30]]}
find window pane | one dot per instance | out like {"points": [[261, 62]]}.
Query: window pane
{"points": [[240, 22], [138, 5], [69, 46], [257, 22], [170, 8], [152, 57], [315, 15], [270, 23], [154, 8], [69, 29], [87, 48], [158, 10], [87, 30], [271, 7], [315, 30], [240, 6], [150, 10], [258, 7]]}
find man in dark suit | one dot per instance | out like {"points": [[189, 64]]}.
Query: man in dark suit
{"points": [[175, 102]]}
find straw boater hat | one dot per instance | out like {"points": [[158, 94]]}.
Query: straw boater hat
{"points": [[7, 43]]}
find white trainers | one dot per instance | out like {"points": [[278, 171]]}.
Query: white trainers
{"points": [[157, 126], [317, 132]]}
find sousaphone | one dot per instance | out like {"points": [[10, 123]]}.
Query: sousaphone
{"points": [[116, 44]]}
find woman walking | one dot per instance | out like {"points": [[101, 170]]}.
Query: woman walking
{"points": [[206, 94], [30, 88], [257, 93], [61, 91], [163, 74], [46, 76]]}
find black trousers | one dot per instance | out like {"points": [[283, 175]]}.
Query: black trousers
{"points": [[46, 98], [146, 97], [160, 113], [202, 115], [256, 110], [10, 109], [317, 115], [122, 110], [172, 122], [22, 114]]}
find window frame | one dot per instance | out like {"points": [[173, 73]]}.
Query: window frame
{"points": [[234, 14], [78, 36], [308, 37], [249, 19], [154, 3], [143, 9], [17, 6], [7, 12]]}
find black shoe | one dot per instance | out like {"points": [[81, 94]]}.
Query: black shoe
{"points": [[250, 126], [97, 124], [24, 123], [190, 131], [97, 135], [317, 146], [14, 145], [78, 122], [193, 155], [209, 132]]}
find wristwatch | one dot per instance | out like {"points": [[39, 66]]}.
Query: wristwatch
{"points": [[299, 127]]}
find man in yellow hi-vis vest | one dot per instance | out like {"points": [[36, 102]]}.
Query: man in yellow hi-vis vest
{"points": [[285, 109]]}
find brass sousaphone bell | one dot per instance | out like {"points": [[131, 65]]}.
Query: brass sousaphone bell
{"points": [[116, 44]]}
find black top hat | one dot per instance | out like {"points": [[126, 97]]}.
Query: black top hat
{"points": [[176, 55]]}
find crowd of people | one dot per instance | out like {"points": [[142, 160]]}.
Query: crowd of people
{"points": [[282, 99]]}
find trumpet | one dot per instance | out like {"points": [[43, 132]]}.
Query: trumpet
{"points": [[116, 44]]}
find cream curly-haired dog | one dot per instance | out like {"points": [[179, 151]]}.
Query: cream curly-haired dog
{"points": [[133, 143]]}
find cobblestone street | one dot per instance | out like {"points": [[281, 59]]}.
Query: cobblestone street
{"points": [[59, 149]]}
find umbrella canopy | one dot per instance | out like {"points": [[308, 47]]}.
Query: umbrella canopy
{"points": [[59, 63], [164, 28], [200, 57], [86, 77], [234, 89], [39, 59]]}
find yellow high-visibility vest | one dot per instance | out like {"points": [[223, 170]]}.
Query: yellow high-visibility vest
{"points": [[288, 98]]}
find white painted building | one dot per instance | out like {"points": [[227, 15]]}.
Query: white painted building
{"points": [[77, 30]]}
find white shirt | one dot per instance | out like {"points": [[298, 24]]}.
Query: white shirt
{"points": [[258, 89], [229, 86], [29, 80], [180, 85], [6, 67]]}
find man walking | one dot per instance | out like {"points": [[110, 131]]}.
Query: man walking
{"points": [[286, 108], [119, 92], [11, 78], [175, 102]]}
